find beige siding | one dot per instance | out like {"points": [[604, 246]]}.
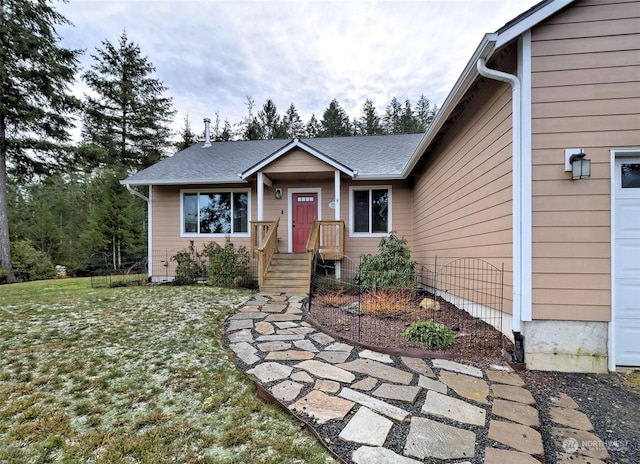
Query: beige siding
{"points": [[297, 161], [585, 94], [463, 194]]}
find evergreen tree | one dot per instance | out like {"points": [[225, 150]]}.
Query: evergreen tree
{"points": [[313, 127], [128, 119], [250, 127], [186, 136], [270, 121], [292, 123], [35, 102], [226, 133], [391, 118], [424, 112], [409, 124], [335, 122], [369, 122]]}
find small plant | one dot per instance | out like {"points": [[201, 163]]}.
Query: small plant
{"points": [[190, 268], [387, 302], [432, 334], [228, 266]]}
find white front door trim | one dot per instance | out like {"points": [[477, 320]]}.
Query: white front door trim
{"points": [[290, 193]]}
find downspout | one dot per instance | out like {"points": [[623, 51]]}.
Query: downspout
{"points": [[149, 218], [517, 197]]}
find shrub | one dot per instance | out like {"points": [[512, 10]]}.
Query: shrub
{"points": [[190, 267], [228, 266], [29, 263], [432, 334], [390, 267]]}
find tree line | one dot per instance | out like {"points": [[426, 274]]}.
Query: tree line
{"points": [[60, 199]]}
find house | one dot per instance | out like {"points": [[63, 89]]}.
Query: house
{"points": [[492, 178]]}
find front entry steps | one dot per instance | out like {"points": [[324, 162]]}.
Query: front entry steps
{"points": [[288, 272]]}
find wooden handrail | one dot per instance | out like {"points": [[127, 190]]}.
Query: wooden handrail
{"points": [[264, 236], [327, 239]]}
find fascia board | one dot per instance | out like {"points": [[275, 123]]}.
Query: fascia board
{"points": [[527, 23], [295, 143], [185, 182]]}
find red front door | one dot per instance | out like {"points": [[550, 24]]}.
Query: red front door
{"points": [[305, 211]]}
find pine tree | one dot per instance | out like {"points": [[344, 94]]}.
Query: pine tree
{"points": [[128, 119], [186, 137], [35, 102], [335, 122], [292, 123], [313, 127], [226, 133], [369, 122], [409, 124], [424, 112], [270, 121], [391, 118]]}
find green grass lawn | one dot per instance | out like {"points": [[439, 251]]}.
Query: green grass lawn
{"points": [[131, 375]]}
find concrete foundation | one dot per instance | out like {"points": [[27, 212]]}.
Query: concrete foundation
{"points": [[566, 346]]}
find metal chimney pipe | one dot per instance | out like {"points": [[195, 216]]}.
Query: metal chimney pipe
{"points": [[207, 133]]}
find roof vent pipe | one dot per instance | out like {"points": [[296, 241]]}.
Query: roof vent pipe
{"points": [[207, 133]]}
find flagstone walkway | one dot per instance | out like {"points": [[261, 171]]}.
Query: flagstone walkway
{"points": [[372, 408]]}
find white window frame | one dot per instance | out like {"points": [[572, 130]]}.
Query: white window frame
{"points": [[359, 188], [216, 190]]}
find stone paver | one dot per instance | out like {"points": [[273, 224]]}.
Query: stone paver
{"points": [[246, 352], [310, 373], [519, 437], [322, 407], [468, 387], [508, 378], [367, 427], [500, 456], [264, 328], [289, 355], [326, 371], [287, 390], [373, 403], [445, 406], [380, 357], [378, 455], [379, 370], [516, 412], [417, 365], [365, 384], [430, 384], [431, 439], [402, 393], [509, 392], [270, 371], [457, 367], [571, 418]]}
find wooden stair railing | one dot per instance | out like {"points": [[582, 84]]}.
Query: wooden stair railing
{"points": [[264, 242]]}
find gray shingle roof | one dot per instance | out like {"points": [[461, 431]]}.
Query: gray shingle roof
{"points": [[382, 156]]}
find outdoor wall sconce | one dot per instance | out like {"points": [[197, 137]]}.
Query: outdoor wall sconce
{"points": [[577, 164], [278, 193]]}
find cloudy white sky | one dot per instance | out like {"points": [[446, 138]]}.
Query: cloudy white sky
{"points": [[212, 54]]}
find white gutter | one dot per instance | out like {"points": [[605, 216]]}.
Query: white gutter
{"points": [[517, 183], [136, 193]]}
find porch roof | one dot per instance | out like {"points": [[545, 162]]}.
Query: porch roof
{"points": [[364, 157]]}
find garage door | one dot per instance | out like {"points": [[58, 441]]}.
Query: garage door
{"points": [[627, 261]]}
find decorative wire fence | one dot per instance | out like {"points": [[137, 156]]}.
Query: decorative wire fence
{"points": [[466, 295], [226, 269]]}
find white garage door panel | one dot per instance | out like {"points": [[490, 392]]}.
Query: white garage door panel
{"points": [[627, 264], [627, 336]]}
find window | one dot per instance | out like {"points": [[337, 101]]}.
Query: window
{"points": [[630, 175], [215, 212], [370, 210]]}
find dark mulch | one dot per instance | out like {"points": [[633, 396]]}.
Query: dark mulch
{"points": [[477, 341]]}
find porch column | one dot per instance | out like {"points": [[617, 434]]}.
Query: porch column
{"points": [[260, 190], [336, 195]]}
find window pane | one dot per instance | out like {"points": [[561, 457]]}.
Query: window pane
{"points": [[361, 211], [380, 210], [630, 176], [190, 212], [240, 216], [215, 213]]}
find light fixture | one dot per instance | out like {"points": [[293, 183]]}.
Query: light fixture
{"points": [[580, 166], [278, 193]]}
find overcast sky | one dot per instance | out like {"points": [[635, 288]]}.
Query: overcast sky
{"points": [[213, 54]]}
